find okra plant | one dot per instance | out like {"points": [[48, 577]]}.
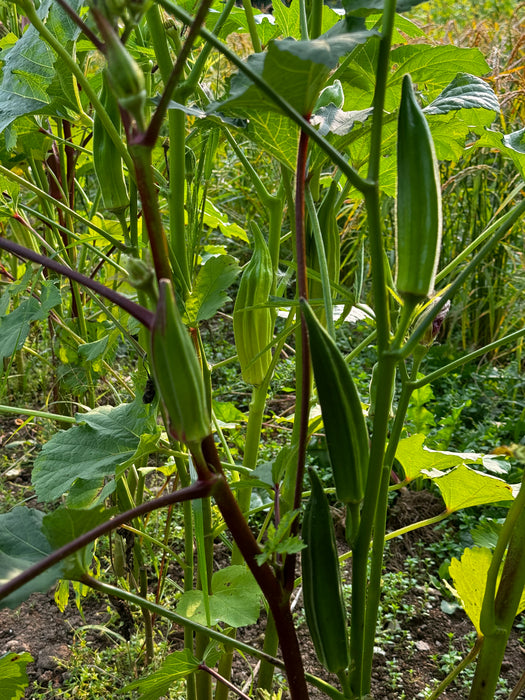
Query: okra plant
{"points": [[345, 108]]}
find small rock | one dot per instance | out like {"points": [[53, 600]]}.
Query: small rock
{"points": [[422, 646]]}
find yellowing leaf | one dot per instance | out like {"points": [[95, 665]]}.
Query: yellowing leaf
{"points": [[470, 577], [463, 487]]}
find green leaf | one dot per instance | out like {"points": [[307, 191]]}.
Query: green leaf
{"points": [[470, 578], [362, 8], [465, 92], [209, 291], [22, 544], [228, 414], [108, 437], [216, 219], [297, 70], [174, 668], [463, 487], [64, 525], [511, 145], [415, 458], [14, 675], [15, 327], [432, 68], [92, 351], [330, 119], [32, 82], [235, 599]]}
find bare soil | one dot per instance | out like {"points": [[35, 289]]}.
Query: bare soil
{"points": [[403, 667]]}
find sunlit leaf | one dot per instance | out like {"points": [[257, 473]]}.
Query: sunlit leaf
{"points": [[209, 290], [235, 599], [463, 487], [14, 675], [470, 578]]}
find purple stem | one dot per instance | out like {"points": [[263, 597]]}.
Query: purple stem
{"points": [[139, 312], [199, 489]]}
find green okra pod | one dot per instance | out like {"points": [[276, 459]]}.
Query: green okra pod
{"points": [[107, 160], [418, 205], [343, 418], [323, 598], [177, 371], [252, 321]]}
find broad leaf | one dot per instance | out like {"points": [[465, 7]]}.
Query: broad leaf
{"points": [[65, 524], [14, 675], [362, 8], [297, 70], [22, 544], [235, 599], [414, 457], [463, 487], [470, 577], [108, 437], [511, 145], [32, 81], [15, 326], [216, 219], [209, 291], [464, 92], [174, 668]]}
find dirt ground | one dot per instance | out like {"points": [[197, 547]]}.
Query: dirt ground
{"points": [[401, 670]]}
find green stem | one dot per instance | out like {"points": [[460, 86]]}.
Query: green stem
{"points": [[37, 414], [505, 606], [323, 265], [357, 181], [270, 646], [469, 658], [427, 318], [68, 60], [252, 27]]}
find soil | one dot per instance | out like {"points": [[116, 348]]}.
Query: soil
{"points": [[404, 665]]}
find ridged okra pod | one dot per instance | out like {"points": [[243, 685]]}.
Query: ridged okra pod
{"points": [[252, 321], [343, 418], [323, 598], [418, 208], [177, 371], [107, 160]]}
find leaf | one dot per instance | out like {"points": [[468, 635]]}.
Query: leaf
{"points": [[463, 487], [235, 599], [14, 675], [22, 544], [64, 525], [15, 326], [31, 75], [362, 8], [511, 145], [216, 219], [108, 437], [297, 70], [415, 458], [464, 92], [432, 67], [92, 351], [337, 121], [228, 414], [470, 578], [209, 291], [174, 668]]}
